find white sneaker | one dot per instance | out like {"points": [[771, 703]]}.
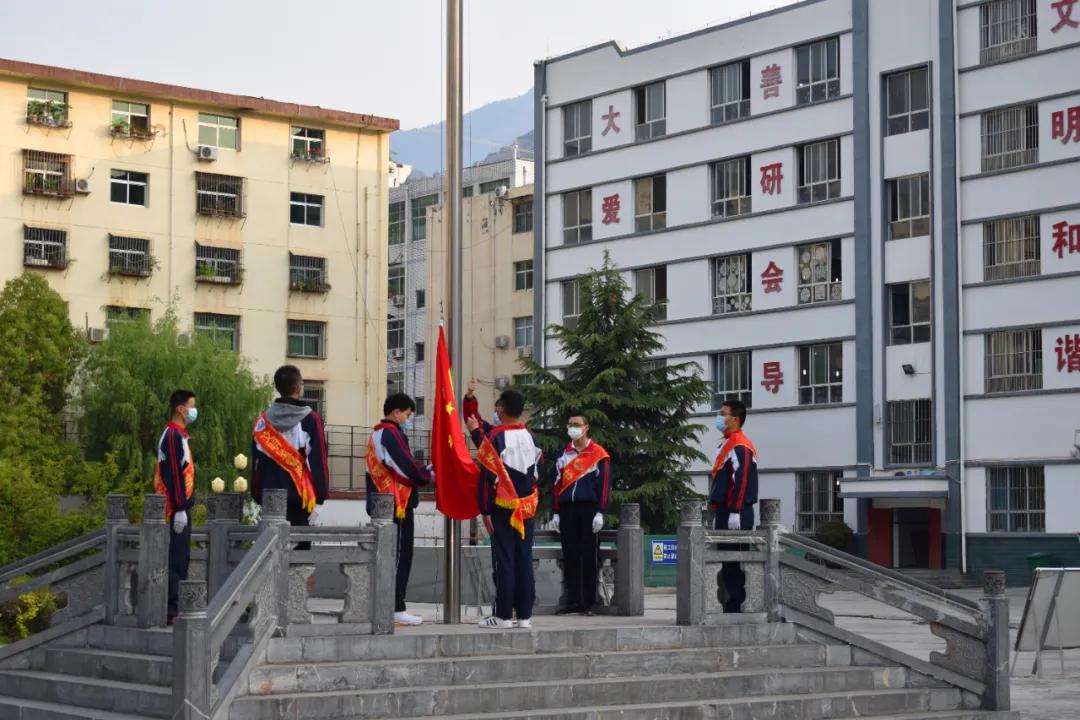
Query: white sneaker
{"points": [[404, 618], [494, 623], [524, 623]]}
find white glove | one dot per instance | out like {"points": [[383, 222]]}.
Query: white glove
{"points": [[313, 516], [431, 469], [597, 523], [734, 522], [555, 521], [179, 521]]}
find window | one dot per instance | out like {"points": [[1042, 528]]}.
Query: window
{"points": [[219, 131], [305, 209], [308, 144], [731, 284], [421, 299], [222, 330], [418, 351], [650, 203], [909, 313], [729, 92], [523, 332], [217, 265], [910, 427], [577, 217], [907, 99], [521, 379], [420, 406], [419, 215], [493, 185], [468, 191], [43, 247], [818, 71], [577, 128], [821, 374], [573, 300], [129, 256], [817, 500], [523, 275], [48, 174], [1014, 360], [650, 111], [909, 206], [1011, 248], [1016, 499], [130, 119], [395, 338], [128, 188], [307, 338], [523, 216], [1007, 29], [820, 272], [219, 195], [651, 284], [395, 283], [307, 273], [731, 378], [47, 107], [397, 223], [819, 171], [1010, 137], [114, 314], [314, 395], [395, 382], [731, 187]]}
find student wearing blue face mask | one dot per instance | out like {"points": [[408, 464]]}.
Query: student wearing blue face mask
{"points": [[174, 477]]}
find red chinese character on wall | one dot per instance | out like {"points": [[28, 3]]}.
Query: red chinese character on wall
{"points": [[771, 81], [1069, 132], [610, 208], [1068, 353], [1064, 10], [1066, 237], [772, 377], [771, 277], [771, 177], [609, 118]]}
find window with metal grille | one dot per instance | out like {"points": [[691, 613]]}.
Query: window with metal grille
{"points": [[731, 284], [820, 273], [650, 111], [909, 206], [308, 144], [314, 395], [305, 209], [395, 284], [419, 350], [395, 382], [1010, 137], [650, 203], [129, 256], [577, 217], [1016, 499], [219, 195], [130, 119], [115, 314], [523, 275], [729, 92], [523, 216], [222, 330], [1011, 248], [731, 378], [493, 185], [910, 432], [523, 332], [44, 247], [468, 191], [397, 223], [419, 215], [217, 265], [573, 300], [219, 131], [128, 188], [306, 338], [395, 334], [47, 174], [1014, 360], [817, 500], [307, 273], [821, 374], [907, 101], [731, 191], [817, 71], [47, 107], [651, 284], [577, 128], [1007, 29], [910, 319], [819, 171]]}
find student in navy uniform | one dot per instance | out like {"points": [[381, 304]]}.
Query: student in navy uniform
{"points": [[733, 492], [509, 460], [470, 408], [174, 477]]}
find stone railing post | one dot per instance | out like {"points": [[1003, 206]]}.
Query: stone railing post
{"points": [[116, 516], [996, 673], [690, 566], [630, 562], [191, 654], [153, 593], [273, 513], [770, 525], [383, 575], [223, 508]]}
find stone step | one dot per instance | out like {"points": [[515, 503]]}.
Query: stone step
{"points": [[523, 696], [122, 697], [371, 675], [105, 665], [155, 641], [406, 646], [22, 709]]}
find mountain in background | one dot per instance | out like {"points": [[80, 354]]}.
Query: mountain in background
{"points": [[488, 134]]}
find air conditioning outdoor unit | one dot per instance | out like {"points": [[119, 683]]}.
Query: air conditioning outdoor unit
{"points": [[397, 353], [97, 335], [82, 186], [502, 341], [208, 152], [525, 351], [184, 340], [502, 382], [397, 300], [502, 191]]}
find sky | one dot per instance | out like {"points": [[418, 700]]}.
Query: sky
{"points": [[382, 58]]}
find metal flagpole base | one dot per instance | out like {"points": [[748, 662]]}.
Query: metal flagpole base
{"points": [[452, 566]]}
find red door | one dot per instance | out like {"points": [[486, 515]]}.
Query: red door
{"points": [[880, 546]]}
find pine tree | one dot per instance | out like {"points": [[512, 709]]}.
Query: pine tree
{"points": [[638, 408]]}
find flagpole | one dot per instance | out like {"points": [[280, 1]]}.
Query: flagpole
{"points": [[452, 217]]}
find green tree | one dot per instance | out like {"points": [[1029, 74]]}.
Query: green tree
{"points": [[638, 408]]}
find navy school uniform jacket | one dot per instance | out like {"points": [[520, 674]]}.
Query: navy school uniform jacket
{"points": [[735, 484], [520, 455], [174, 474], [593, 487], [303, 429], [392, 447]]}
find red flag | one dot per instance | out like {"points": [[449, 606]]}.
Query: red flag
{"points": [[456, 476]]}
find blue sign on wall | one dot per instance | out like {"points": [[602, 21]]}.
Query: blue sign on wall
{"points": [[663, 552]]}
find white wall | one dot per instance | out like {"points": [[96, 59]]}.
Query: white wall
{"points": [[1044, 427]]}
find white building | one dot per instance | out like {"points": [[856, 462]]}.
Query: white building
{"points": [[854, 213]]}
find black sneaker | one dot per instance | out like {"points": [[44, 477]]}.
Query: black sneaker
{"points": [[567, 610], [587, 612]]}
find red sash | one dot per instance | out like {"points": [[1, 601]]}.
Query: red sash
{"points": [[160, 489], [278, 449], [521, 509], [734, 440], [588, 458], [384, 480]]}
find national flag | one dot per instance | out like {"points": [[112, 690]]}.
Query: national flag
{"points": [[456, 476]]}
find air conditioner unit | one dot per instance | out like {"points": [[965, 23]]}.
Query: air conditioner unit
{"points": [[208, 152], [502, 341], [82, 186], [525, 351], [502, 191], [397, 300], [502, 382], [97, 335], [397, 353], [184, 340]]}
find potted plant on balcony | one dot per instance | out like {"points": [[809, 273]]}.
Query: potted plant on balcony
{"points": [[205, 271], [120, 126]]}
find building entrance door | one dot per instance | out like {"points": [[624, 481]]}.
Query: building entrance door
{"points": [[916, 538]]}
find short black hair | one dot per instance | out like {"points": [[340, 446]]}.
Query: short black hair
{"points": [[287, 380], [578, 413], [398, 401], [737, 409], [513, 403], [178, 398]]}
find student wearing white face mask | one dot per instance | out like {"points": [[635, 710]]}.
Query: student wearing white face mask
{"points": [[733, 492]]}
